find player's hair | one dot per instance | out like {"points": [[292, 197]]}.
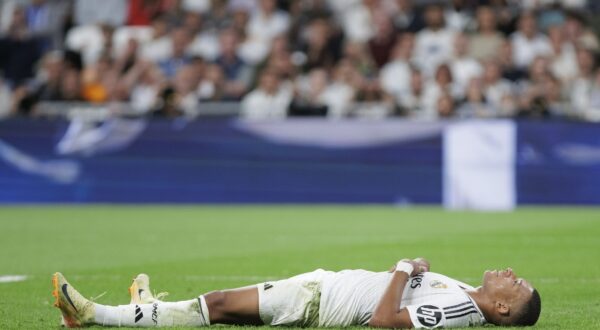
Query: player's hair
{"points": [[530, 312]]}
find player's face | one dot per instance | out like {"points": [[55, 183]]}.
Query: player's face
{"points": [[505, 285]]}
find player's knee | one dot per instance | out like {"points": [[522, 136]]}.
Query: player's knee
{"points": [[216, 302]]}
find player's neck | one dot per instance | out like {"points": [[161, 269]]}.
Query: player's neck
{"points": [[482, 301]]}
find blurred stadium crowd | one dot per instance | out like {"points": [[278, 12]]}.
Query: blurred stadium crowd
{"points": [[337, 58]]}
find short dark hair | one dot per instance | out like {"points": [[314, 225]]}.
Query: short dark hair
{"points": [[530, 312]]}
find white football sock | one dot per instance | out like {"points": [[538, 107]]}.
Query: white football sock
{"points": [[158, 314]]}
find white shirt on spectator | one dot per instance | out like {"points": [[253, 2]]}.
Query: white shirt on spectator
{"points": [[122, 35], [340, 8], [258, 105], [497, 92], [143, 98], [338, 97], [205, 45], [525, 50], [411, 102], [580, 95], [431, 95], [253, 51], [196, 6], [464, 69], [433, 48], [266, 28], [395, 77], [87, 39], [456, 20], [5, 100], [157, 50], [358, 25], [564, 65]]}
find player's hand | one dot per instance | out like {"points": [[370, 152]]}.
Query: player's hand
{"points": [[424, 265], [420, 265]]}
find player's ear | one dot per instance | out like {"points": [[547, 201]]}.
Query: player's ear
{"points": [[502, 308]]}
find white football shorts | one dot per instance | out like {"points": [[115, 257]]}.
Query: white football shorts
{"points": [[292, 302]]}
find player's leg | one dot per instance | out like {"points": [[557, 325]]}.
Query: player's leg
{"points": [[238, 306]]}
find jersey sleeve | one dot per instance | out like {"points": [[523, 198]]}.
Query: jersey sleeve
{"points": [[444, 311]]}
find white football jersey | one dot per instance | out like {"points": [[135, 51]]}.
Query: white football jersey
{"points": [[433, 300]]}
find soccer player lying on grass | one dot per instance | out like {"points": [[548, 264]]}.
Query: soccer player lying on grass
{"points": [[408, 296]]}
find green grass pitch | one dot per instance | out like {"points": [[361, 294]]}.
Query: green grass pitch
{"points": [[190, 250]]}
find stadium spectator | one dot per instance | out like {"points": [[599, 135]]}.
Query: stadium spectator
{"points": [[302, 14], [70, 86], [445, 106], [179, 98], [184, 84], [309, 95], [485, 43], [527, 42], [321, 45], [98, 80], [373, 101], [411, 101], [507, 66], [498, 90], [535, 98], [145, 81], [475, 104], [179, 56], [457, 15], [46, 86], [563, 59], [408, 18], [270, 100], [358, 20], [433, 44], [19, 50], [339, 94], [92, 41], [266, 23], [580, 93], [211, 87], [463, 67], [359, 56], [47, 19], [236, 72], [6, 100], [579, 33], [395, 75], [158, 48], [592, 111], [384, 38], [443, 84]]}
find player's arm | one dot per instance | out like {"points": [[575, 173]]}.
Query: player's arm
{"points": [[388, 314]]}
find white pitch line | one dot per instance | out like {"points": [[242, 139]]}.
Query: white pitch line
{"points": [[12, 278]]}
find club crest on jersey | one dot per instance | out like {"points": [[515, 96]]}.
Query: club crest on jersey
{"points": [[438, 285]]}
